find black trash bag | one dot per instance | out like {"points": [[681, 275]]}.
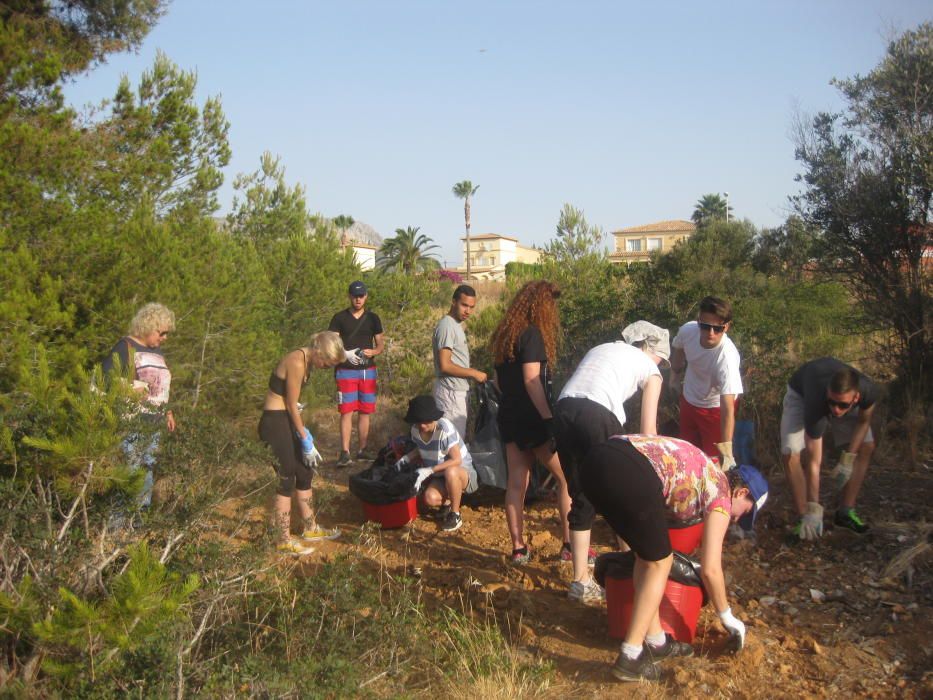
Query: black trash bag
{"points": [[382, 483], [487, 449], [620, 565]]}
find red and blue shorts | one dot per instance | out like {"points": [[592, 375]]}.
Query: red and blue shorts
{"points": [[356, 390]]}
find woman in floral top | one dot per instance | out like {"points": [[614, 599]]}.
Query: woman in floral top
{"points": [[638, 483]]}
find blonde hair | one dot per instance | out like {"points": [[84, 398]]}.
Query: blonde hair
{"points": [[152, 318], [327, 346]]}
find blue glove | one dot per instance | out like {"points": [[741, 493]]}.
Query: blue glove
{"points": [[309, 454]]}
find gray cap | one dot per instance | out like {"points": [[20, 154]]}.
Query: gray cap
{"points": [[656, 339]]}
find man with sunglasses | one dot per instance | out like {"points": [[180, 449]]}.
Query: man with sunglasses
{"points": [[361, 333], [712, 381], [827, 393]]}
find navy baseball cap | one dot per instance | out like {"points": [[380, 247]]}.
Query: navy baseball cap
{"points": [[757, 491], [357, 289]]}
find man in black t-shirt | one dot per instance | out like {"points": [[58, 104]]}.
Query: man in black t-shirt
{"points": [[827, 393], [361, 332]]}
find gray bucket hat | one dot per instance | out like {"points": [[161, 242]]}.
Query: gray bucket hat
{"points": [[656, 339]]}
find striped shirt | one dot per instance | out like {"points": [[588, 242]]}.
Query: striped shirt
{"points": [[436, 449]]}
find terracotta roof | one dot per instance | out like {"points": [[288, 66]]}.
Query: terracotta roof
{"points": [[661, 227]]}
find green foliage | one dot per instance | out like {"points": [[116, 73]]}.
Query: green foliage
{"points": [[710, 208], [83, 636], [407, 252], [868, 176], [269, 209]]}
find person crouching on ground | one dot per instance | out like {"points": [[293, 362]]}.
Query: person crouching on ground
{"points": [[447, 472], [639, 482], [282, 428], [525, 347]]}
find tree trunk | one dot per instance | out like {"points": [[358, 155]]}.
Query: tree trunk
{"points": [[466, 218]]}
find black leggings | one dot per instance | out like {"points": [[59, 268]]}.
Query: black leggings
{"points": [[275, 429], [624, 488], [581, 425]]}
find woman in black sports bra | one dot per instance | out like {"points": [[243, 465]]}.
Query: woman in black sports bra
{"points": [[282, 428]]}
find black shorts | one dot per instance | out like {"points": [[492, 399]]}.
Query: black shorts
{"points": [[581, 425], [623, 487], [275, 429], [526, 431]]}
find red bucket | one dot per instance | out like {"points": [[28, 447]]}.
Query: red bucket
{"points": [[392, 515], [679, 610], [686, 539]]}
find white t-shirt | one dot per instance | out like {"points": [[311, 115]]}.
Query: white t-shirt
{"points": [[609, 374], [711, 372]]}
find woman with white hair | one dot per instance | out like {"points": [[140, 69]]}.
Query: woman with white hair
{"points": [[590, 410], [141, 360]]}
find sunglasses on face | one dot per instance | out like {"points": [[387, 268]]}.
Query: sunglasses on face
{"points": [[164, 334], [845, 406], [711, 327]]}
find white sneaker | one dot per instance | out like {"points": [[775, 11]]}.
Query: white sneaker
{"points": [[294, 547], [589, 593]]}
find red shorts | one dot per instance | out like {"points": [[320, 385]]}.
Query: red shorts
{"points": [[700, 426], [356, 390]]}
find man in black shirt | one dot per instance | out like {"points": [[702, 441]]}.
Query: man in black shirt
{"points": [[827, 393], [361, 332]]}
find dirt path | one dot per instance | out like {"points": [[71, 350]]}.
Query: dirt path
{"points": [[824, 620]]}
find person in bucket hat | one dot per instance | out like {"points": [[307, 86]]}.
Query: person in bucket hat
{"points": [[639, 484], [447, 468]]}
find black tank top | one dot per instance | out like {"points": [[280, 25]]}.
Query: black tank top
{"points": [[277, 383]]}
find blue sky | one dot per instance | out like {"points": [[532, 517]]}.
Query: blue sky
{"points": [[630, 111]]}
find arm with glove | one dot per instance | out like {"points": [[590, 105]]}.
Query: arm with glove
{"points": [[309, 454], [714, 581]]}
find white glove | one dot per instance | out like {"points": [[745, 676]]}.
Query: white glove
{"points": [[423, 474], [355, 356], [309, 454], [843, 471], [726, 460], [811, 525], [734, 626]]}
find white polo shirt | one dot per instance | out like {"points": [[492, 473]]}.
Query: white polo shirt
{"points": [[711, 372]]}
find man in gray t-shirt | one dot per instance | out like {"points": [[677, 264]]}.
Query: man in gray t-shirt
{"points": [[452, 370]]}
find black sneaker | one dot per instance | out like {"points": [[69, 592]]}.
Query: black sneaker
{"points": [[671, 647], [344, 459], [363, 455], [847, 517], [452, 522], [640, 669]]}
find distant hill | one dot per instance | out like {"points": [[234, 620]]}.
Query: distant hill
{"points": [[364, 233]]}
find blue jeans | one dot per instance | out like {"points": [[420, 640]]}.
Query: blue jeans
{"points": [[140, 450]]}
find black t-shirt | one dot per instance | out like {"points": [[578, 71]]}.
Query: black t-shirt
{"points": [[811, 382], [356, 332], [515, 399]]}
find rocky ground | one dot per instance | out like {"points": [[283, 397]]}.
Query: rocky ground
{"points": [[848, 615]]}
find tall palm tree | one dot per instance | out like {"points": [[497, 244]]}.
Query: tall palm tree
{"points": [[464, 190], [343, 222], [407, 252], [709, 208]]}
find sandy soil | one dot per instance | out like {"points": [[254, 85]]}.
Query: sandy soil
{"points": [[847, 616]]}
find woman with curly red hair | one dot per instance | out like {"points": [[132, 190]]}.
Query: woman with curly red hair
{"points": [[523, 346]]}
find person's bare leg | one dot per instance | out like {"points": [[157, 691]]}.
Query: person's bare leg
{"points": [[551, 462], [579, 549], [362, 428], [795, 479], [518, 474], [346, 428], [651, 578], [303, 500], [851, 490], [456, 480], [282, 516], [433, 497]]}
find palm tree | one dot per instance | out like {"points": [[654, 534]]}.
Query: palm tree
{"points": [[407, 252], [343, 222], [709, 208], [464, 190]]}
